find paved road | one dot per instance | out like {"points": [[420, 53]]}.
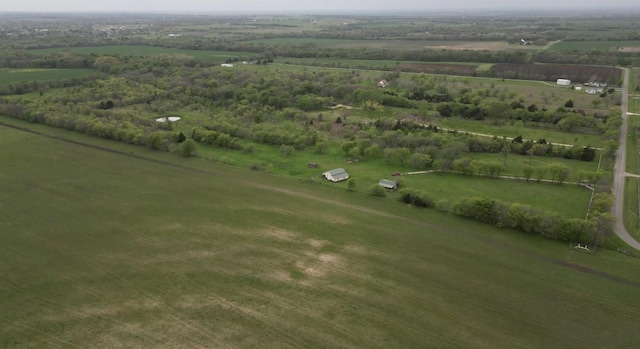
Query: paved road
{"points": [[619, 169]]}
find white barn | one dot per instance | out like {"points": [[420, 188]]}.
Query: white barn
{"points": [[336, 175], [563, 82]]}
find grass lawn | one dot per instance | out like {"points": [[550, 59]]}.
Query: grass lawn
{"points": [[145, 249], [14, 76], [631, 206]]}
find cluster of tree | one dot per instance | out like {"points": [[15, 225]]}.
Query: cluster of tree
{"points": [[525, 218], [415, 197], [219, 139]]}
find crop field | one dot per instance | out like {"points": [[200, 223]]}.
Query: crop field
{"points": [[600, 45], [133, 50], [13, 76], [135, 248]]}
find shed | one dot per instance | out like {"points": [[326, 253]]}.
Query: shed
{"points": [[388, 184], [312, 165], [563, 82], [336, 175]]}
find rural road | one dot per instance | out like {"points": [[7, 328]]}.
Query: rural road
{"points": [[620, 169]]}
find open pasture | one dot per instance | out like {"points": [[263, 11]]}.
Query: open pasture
{"points": [[137, 249], [14, 76]]}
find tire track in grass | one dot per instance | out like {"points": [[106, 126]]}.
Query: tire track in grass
{"points": [[48, 337], [485, 240]]}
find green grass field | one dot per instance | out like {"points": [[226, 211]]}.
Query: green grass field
{"points": [[514, 129], [601, 45], [120, 246], [13, 76], [551, 197], [133, 50]]}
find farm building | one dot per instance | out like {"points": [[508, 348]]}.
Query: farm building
{"points": [[336, 175], [563, 82], [594, 90], [226, 65], [383, 83], [388, 184]]}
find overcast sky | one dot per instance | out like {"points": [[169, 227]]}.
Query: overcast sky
{"points": [[279, 6]]}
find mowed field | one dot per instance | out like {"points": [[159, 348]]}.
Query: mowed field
{"points": [[108, 245]]}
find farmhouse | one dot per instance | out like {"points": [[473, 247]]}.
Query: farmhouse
{"points": [[563, 82], [336, 175], [388, 184], [226, 65]]}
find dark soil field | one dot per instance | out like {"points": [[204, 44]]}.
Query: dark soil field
{"points": [[552, 72]]}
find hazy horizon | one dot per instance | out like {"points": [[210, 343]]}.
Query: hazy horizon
{"points": [[290, 6]]}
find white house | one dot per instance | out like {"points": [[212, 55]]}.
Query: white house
{"points": [[336, 175], [563, 82], [226, 65], [383, 83]]}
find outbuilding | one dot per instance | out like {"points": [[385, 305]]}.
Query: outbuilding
{"points": [[336, 175], [388, 184], [563, 82]]}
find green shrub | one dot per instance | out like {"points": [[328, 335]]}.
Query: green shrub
{"points": [[377, 190]]}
